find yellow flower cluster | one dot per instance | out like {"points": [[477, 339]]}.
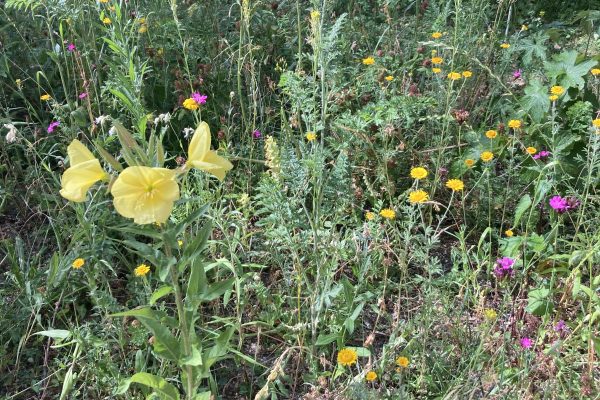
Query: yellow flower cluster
{"points": [[190, 104], [311, 136], [368, 61], [145, 194]]}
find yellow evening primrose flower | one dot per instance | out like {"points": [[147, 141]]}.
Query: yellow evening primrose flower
{"points": [[467, 74], [509, 233], [515, 123], [145, 194], [389, 78], [311, 136], [553, 97], [368, 61], [596, 122], [454, 76], [505, 45], [200, 155], [387, 213], [491, 134], [557, 90], [418, 173], [347, 357], [190, 104], [106, 21], [531, 150], [469, 162], [402, 361], [78, 263], [84, 172], [487, 156], [141, 270], [369, 215], [436, 70], [418, 196], [595, 71], [371, 376], [45, 97], [455, 185], [437, 60], [436, 35]]}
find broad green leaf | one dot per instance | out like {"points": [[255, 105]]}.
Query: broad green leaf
{"points": [[539, 302], [361, 351], [523, 205], [194, 359], [161, 387], [326, 339], [535, 101], [203, 396], [165, 343], [216, 289], [55, 333], [159, 293], [565, 70]]}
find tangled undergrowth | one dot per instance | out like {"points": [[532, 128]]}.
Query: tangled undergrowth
{"points": [[299, 199]]}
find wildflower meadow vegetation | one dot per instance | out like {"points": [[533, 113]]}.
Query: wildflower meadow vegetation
{"points": [[299, 199]]}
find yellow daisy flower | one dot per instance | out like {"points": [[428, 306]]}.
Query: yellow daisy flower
{"points": [[515, 123], [387, 213], [454, 76], [437, 60], [418, 173], [505, 45], [469, 162], [141, 270], [78, 263], [436, 70], [418, 196], [557, 90], [371, 376], [509, 233], [436, 35], [487, 156], [455, 185], [531, 150], [491, 134], [368, 61], [310, 136], [402, 361], [347, 357], [467, 74]]}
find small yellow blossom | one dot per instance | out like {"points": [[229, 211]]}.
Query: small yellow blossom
{"points": [[78, 263], [311, 136], [314, 14], [141, 20], [369, 215], [553, 97], [531, 150], [595, 71], [596, 122], [402, 361], [436, 70], [557, 90], [469, 162], [141, 270], [371, 376], [19, 83], [467, 74], [190, 104], [487, 156], [454, 76], [143, 28], [45, 97], [103, 1], [515, 123], [106, 21], [505, 45], [368, 61], [418, 196], [455, 185], [387, 213], [490, 314], [436, 35], [347, 357], [524, 27], [111, 8], [509, 233], [418, 173], [491, 134], [389, 78], [180, 243], [437, 60]]}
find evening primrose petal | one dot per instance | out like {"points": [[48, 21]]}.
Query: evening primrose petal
{"points": [[145, 194], [84, 172], [200, 155]]}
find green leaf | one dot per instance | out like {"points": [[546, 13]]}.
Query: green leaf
{"points": [[61, 334], [161, 387], [165, 344], [539, 302], [194, 359], [565, 71], [523, 205], [536, 101], [202, 396], [159, 293], [322, 340], [361, 351], [216, 290]]}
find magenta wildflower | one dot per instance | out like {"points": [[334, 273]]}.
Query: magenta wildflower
{"points": [[517, 73], [71, 47], [526, 343], [256, 134], [199, 98], [83, 95], [560, 326], [558, 204], [542, 155], [504, 267], [52, 126]]}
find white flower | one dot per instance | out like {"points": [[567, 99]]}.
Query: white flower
{"points": [[11, 136], [187, 132], [112, 131], [101, 119], [165, 118]]}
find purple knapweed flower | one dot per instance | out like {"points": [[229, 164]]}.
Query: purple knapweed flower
{"points": [[71, 47], [560, 326], [199, 98], [256, 134], [542, 155], [526, 343], [504, 267], [558, 204], [52, 126], [517, 73]]}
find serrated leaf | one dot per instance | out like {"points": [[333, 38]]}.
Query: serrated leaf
{"points": [[523, 206], [539, 302], [161, 387]]}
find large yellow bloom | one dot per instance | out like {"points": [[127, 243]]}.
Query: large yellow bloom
{"points": [[202, 157], [84, 172], [145, 194], [347, 357]]}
